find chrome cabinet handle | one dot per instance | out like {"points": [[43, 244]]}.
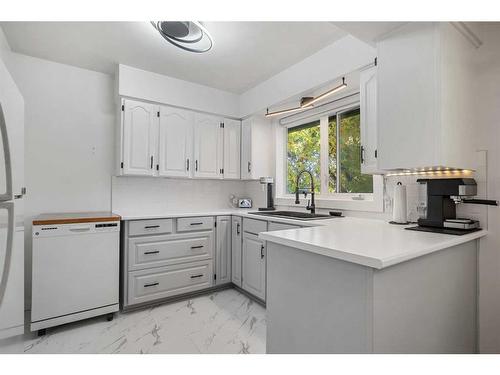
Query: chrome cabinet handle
{"points": [[151, 252], [249, 166], [262, 252], [196, 165], [151, 161], [196, 276], [150, 285], [187, 165], [196, 224], [238, 228], [196, 247], [151, 226]]}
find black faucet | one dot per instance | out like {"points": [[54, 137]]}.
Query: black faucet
{"points": [[310, 206]]}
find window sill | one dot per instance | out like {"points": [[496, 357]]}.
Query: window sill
{"points": [[370, 203]]}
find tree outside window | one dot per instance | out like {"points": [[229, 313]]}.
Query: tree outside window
{"points": [[344, 155]]}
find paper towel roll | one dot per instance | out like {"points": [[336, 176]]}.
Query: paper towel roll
{"points": [[399, 214]]}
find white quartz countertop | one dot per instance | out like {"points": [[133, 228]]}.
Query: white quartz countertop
{"points": [[127, 215], [368, 242]]}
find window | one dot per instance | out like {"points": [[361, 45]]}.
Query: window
{"points": [[303, 152], [341, 143]]}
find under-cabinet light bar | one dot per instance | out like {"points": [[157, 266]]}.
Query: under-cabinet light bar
{"points": [[432, 171]]}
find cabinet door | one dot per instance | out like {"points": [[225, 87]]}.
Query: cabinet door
{"points": [[140, 127], [232, 136], [223, 254], [368, 109], [246, 149], [257, 148], [254, 265], [236, 243], [175, 142], [208, 146]]}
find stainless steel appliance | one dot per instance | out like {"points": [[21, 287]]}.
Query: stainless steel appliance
{"points": [[269, 182], [76, 261], [11, 207]]}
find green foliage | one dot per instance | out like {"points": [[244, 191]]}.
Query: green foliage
{"points": [[351, 179], [303, 153]]}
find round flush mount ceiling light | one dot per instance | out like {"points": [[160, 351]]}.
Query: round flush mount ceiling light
{"points": [[191, 36]]}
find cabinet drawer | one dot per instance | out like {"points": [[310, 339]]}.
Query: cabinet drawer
{"points": [[254, 226], [188, 224], [150, 285], [280, 226], [156, 251], [157, 226]]}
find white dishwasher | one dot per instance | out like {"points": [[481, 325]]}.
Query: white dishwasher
{"points": [[75, 271]]}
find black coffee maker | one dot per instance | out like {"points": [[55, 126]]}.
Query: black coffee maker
{"points": [[443, 195]]}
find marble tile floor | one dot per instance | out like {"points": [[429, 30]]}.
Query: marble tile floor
{"points": [[221, 322]]}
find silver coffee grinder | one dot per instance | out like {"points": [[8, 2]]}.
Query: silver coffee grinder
{"points": [[269, 181]]}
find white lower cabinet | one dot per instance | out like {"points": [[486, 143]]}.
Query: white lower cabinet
{"points": [[223, 253], [254, 265], [236, 244], [164, 258], [157, 283]]}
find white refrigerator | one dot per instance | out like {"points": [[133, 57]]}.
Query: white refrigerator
{"points": [[11, 206]]}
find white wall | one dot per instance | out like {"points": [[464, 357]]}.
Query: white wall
{"points": [[159, 88], [159, 195], [487, 125], [69, 141], [332, 62]]}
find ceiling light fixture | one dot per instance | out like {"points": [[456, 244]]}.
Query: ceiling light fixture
{"points": [[289, 110], [190, 36], [342, 86], [308, 101]]}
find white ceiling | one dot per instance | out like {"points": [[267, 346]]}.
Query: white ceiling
{"points": [[245, 53], [368, 32]]}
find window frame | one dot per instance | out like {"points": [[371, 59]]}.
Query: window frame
{"points": [[324, 199]]}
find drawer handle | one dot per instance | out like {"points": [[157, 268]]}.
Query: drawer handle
{"points": [[262, 252], [151, 226], [196, 224], [151, 252], [196, 276], [196, 247], [238, 231], [150, 285]]}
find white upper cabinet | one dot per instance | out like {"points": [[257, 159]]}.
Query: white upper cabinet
{"points": [[232, 138], [424, 97], [140, 127], [175, 142], [164, 141], [208, 146], [257, 148], [368, 110]]}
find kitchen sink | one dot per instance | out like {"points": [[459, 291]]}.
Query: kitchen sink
{"points": [[292, 215]]}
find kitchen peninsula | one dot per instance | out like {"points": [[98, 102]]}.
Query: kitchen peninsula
{"points": [[365, 286]]}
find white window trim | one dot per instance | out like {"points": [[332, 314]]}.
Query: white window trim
{"points": [[373, 202]]}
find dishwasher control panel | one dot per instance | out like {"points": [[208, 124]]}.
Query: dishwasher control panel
{"points": [[76, 228]]}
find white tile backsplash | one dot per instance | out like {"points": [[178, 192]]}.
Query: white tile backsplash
{"points": [[415, 194], [157, 195]]}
